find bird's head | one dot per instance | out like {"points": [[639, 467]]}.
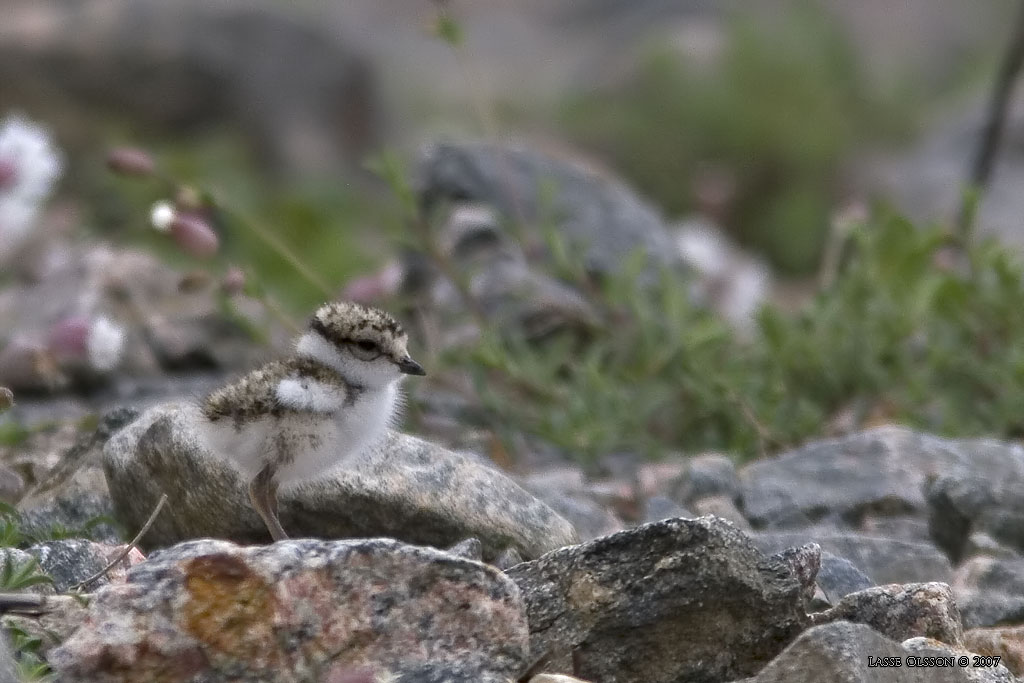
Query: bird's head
{"points": [[366, 345]]}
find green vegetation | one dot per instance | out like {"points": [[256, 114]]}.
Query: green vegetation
{"points": [[335, 230], [13, 432], [15, 576], [779, 111], [31, 665], [897, 337], [15, 533]]}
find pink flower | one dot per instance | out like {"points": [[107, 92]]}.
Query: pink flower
{"points": [[193, 234], [80, 339], [371, 288]]}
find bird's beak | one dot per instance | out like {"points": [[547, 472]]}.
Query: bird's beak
{"points": [[410, 367]]}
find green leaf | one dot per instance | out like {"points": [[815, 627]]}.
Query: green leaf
{"points": [[14, 577]]}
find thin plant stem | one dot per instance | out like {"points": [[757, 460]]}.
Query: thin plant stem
{"points": [[995, 124], [285, 252], [128, 548], [278, 312]]}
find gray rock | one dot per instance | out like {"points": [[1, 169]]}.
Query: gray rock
{"points": [[590, 518], [73, 560], [507, 558], [962, 505], [600, 218], [657, 508], [73, 496], [405, 488], [657, 478], [902, 611], [12, 484], [722, 506], [980, 609], [301, 610], [706, 475], [979, 543], [883, 560], [469, 549], [804, 562], [1004, 575], [990, 591], [913, 528], [300, 95], [880, 471], [839, 652], [838, 577], [499, 276], [669, 601], [79, 509]]}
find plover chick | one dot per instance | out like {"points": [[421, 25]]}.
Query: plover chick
{"points": [[294, 419]]}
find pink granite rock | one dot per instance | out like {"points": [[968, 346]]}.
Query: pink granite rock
{"points": [[301, 610]]}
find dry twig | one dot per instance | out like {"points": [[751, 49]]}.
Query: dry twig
{"points": [[128, 548]]}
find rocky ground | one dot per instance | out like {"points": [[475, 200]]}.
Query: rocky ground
{"points": [[425, 561], [885, 543]]}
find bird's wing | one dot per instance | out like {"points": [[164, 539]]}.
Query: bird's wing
{"points": [[278, 386], [309, 394], [249, 396]]}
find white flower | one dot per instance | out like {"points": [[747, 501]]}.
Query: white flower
{"points": [[702, 245], [162, 215], [105, 344], [29, 166], [733, 283]]}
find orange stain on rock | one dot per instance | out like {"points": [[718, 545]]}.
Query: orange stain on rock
{"points": [[231, 609]]}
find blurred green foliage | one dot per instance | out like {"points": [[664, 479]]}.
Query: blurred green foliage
{"points": [[897, 337], [14, 533], [778, 111], [337, 230]]}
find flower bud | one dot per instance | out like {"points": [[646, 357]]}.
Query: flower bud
{"points": [[69, 337], [131, 161], [194, 234]]}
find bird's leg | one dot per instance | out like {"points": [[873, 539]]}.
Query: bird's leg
{"points": [[263, 494]]}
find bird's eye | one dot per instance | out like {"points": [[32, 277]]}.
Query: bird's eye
{"points": [[364, 349]]}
